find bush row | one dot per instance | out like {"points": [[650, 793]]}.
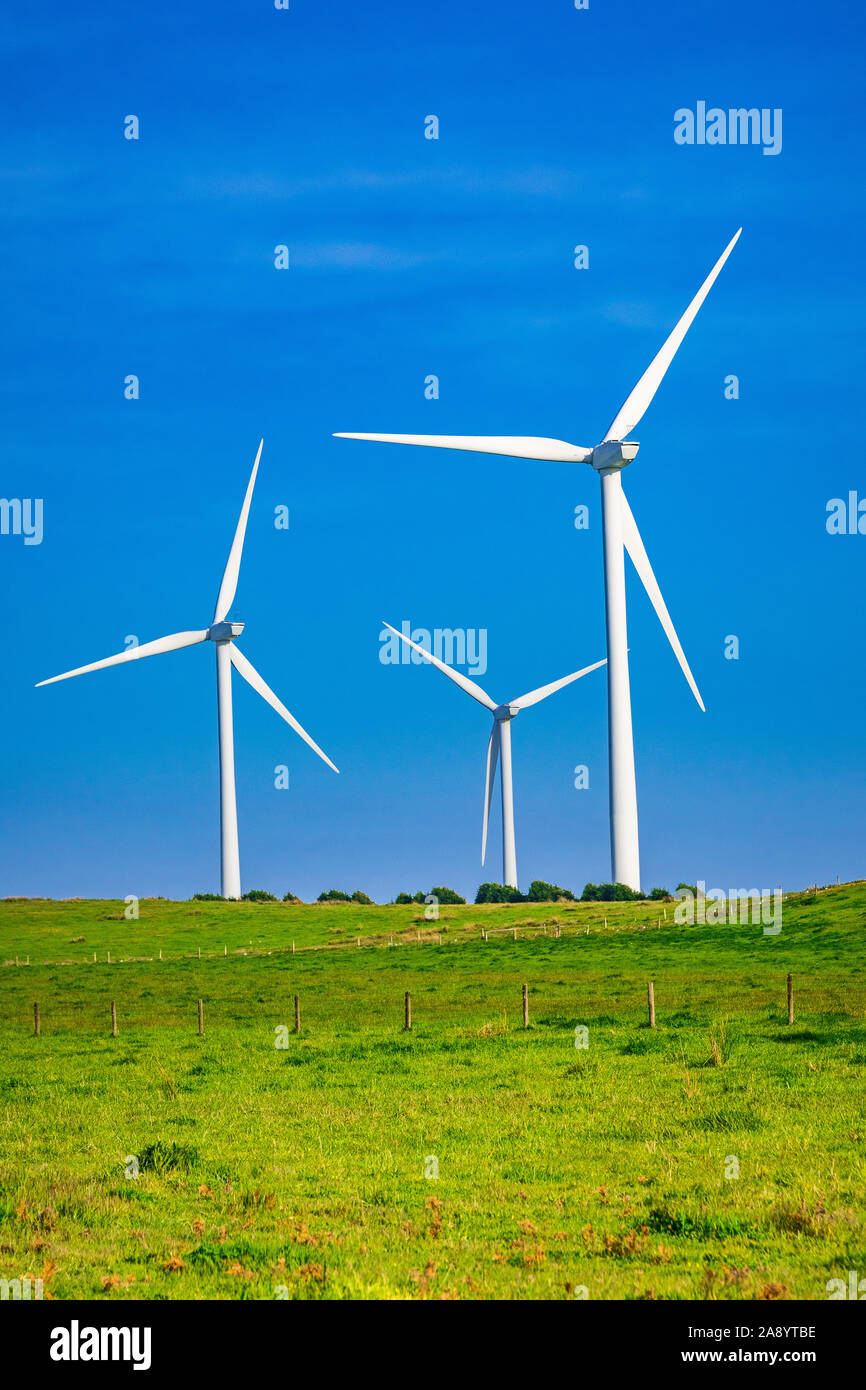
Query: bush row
{"points": [[539, 892]]}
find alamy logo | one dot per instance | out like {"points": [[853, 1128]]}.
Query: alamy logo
{"points": [[20, 1289], [846, 518], [456, 646], [855, 1288], [76, 1343], [736, 126], [22, 516], [743, 905]]}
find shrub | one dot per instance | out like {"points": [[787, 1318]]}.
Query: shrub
{"points": [[291, 898], [333, 895], [658, 895], [359, 897], [610, 893], [541, 892], [498, 893], [258, 895], [446, 895], [442, 895], [208, 898]]}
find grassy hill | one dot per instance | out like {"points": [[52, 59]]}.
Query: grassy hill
{"points": [[720, 1155]]}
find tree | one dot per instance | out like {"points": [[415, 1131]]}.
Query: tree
{"points": [[333, 895], [541, 892], [258, 895], [498, 893], [359, 897], [610, 893], [403, 898], [446, 895], [658, 895]]}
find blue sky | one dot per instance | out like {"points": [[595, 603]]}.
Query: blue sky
{"points": [[412, 257]]}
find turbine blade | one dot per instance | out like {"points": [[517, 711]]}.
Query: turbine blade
{"points": [[636, 404], [463, 681], [252, 677], [635, 547], [162, 644], [544, 690], [512, 446], [229, 584], [489, 779]]}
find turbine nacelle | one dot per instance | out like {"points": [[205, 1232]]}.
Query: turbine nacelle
{"points": [[614, 453], [224, 631], [505, 712]]}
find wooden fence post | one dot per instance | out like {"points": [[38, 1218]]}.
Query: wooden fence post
{"points": [[113, 1019], [651, 1003], [525, 1007], [790, 999], [408, 1011], [36, 1024], [297, 1014], [200, 1019]]}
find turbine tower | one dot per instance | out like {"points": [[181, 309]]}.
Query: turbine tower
{"points": [[498, 746], [222, 632], [620, 531]]}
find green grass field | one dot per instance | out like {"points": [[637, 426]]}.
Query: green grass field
{"points": [[721, 1155]]}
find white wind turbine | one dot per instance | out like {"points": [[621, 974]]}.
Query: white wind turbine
{"points": [[222, 633], [608, 458], [499, 745]]}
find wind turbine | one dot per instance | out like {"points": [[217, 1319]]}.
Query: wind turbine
{"points": [[499, 745], [222, 632], [620, 531]]}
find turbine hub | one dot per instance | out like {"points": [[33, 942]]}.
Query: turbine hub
{"points": [[224, 632], [614, 453], [505, 712]]}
